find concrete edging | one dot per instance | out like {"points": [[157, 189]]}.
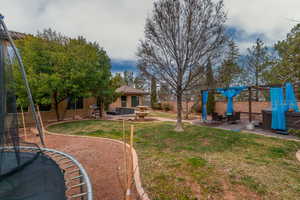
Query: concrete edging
{"points": [[298, 155], [137, 179]]}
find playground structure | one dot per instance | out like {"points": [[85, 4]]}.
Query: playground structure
{"points": [[26, 170], [282, 115]]}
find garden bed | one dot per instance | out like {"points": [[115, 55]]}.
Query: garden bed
{"points": [[204, 162]]}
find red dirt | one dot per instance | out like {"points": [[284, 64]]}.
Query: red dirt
{"points": [[102, 159]]}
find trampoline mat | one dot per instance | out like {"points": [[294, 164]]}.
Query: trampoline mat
{"points": [[42, 179]]}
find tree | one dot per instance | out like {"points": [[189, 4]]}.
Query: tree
{"points": [[256, 64], [103, 85], [287, 65], [179, 38], [139, 82], [129, 78], [153, 92], [117, 80], [58, 67], [211, 84], [229, 71], [164, 93]]}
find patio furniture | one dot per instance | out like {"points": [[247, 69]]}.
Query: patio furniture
{"points": [[234, 118], [217, 117], [94, 111], [121, 111], [124, 111], [142, 112], [292, 120]]}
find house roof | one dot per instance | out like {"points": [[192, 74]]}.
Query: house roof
{"points": [[130, 90], [13, 34]]}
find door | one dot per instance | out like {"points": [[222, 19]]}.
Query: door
{"points": [[134, 101]]}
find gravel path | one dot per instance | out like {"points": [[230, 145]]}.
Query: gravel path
{"points": [[102, 159]]}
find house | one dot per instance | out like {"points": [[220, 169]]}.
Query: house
{"points": [[130, 98], [14, 35]]}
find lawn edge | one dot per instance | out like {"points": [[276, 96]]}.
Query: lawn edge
{"points": [[137, 178], [251, 133]]}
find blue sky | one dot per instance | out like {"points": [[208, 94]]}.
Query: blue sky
{"points": [[240, 37]]}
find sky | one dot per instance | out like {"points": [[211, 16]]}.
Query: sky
{"points": [[118, 25]]}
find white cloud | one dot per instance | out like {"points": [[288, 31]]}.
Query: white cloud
{"points": [[270, 17], [118, 24]]}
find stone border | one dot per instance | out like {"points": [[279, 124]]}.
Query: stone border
{"points": [[138, 184], [298, 155]]}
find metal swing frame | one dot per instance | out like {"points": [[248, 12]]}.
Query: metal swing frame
{"points": [[77, 182]]}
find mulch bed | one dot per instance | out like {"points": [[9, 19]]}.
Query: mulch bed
{"points": [[102, 159]]}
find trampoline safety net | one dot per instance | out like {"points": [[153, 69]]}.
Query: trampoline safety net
{"points": [[24, 175]]}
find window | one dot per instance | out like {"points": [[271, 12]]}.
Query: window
{"points": [[75, 103], [134, 101], [123, 101]]}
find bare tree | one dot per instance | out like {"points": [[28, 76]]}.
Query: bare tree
{"points": [[179, 38], [257, 62]]}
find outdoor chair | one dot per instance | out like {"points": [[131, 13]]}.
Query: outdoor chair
{"points": [[236, 116], [217, 117]]}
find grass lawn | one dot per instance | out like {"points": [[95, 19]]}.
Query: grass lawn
{"points": [[156, 113], [205, 163], [169, 115]]}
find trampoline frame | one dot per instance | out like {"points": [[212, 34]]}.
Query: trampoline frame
{"points": [[69, 165]]}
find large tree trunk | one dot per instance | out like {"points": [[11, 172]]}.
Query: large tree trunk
{"points": [[186, 110], [100, 107], [256, 84], [179, 127], [56, 107]]}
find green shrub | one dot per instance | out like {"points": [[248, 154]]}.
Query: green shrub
{"points": [[211, 103], [197, 108], [167, 107], [157, 106], [295, 132]]}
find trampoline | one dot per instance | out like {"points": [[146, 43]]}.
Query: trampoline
{"points": [[27, 171]]}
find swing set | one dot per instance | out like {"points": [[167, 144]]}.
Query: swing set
{"points": [[280, 116]]}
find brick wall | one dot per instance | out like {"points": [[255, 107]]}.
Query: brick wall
{"points": [[221, 106], [50, 116], [257, 107], [184, 105]]}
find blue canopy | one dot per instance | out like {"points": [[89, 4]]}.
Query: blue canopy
{"points": [[290, 98], [230, 93], [204, 102], [278, 109]]}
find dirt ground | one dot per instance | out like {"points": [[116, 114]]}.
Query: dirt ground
{"points": [[102, 159]]}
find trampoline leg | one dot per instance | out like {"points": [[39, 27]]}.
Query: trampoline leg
{"points": [[81, 187]]}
